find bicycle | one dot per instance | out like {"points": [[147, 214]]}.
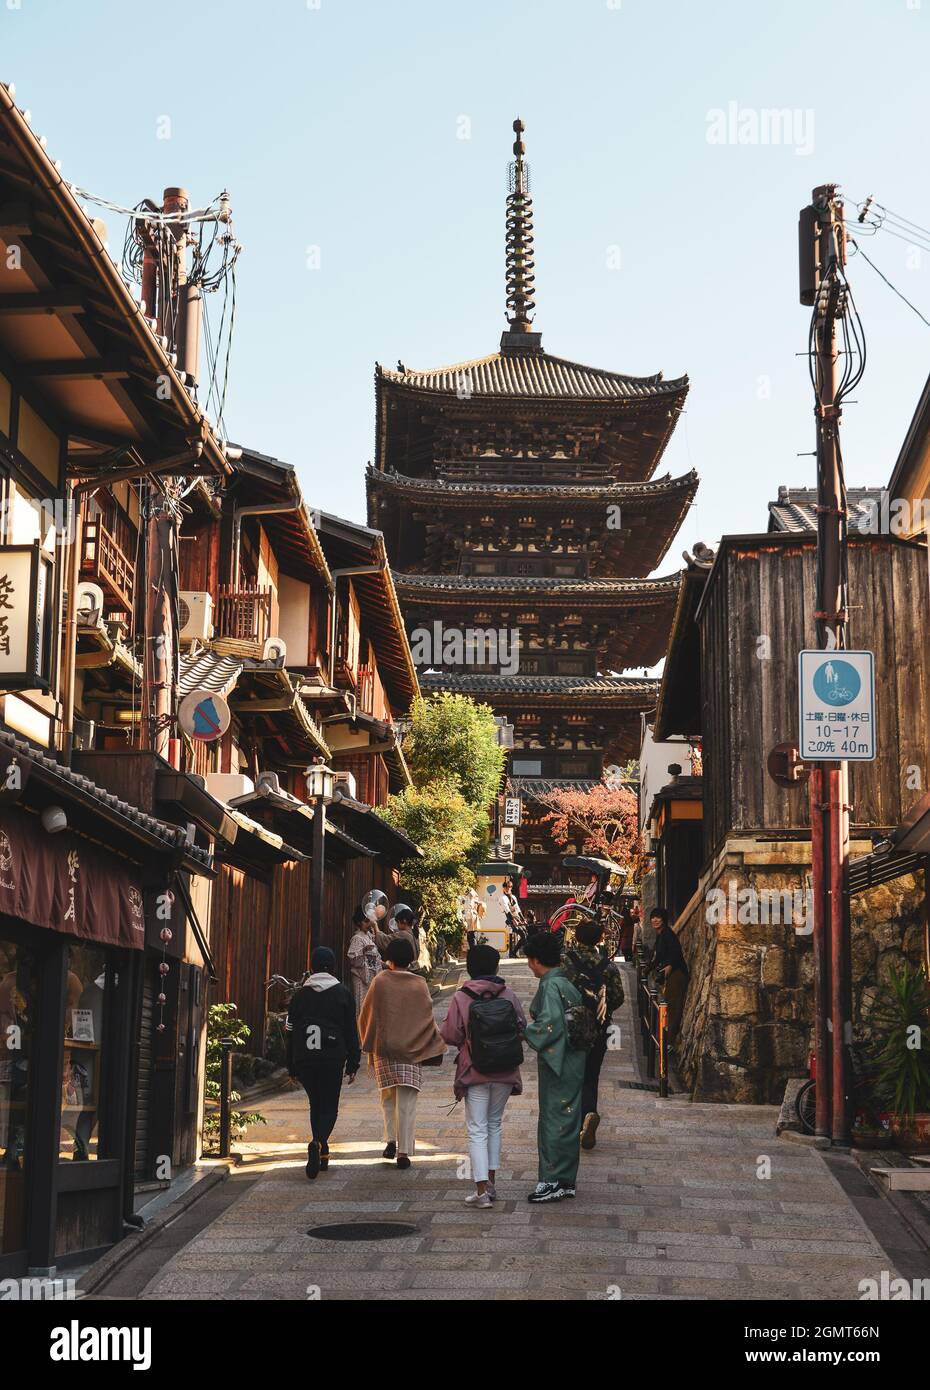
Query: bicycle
{"points": [[275, 1024], [861, 1095]]}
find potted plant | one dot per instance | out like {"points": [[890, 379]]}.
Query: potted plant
{"points": [[898, 1049]]}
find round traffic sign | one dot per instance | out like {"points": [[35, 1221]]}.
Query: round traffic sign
{"points": [[204, 715]]}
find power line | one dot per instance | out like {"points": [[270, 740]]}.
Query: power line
{"points": [[884, 277]]}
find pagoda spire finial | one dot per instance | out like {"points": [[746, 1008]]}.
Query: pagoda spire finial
{"points": [[520, 276]]}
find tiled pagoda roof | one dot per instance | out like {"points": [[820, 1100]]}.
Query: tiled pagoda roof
{"points": [[533, 492], [536, 375]]}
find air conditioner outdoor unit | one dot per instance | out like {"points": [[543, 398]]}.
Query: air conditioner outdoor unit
{"points": [[345, 782], [195, 615], [226, 786], [89, 603]]}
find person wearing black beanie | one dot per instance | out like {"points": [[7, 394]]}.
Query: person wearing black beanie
{"points": [[322, 1047]]}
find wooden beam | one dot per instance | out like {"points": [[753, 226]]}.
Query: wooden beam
{"points": [[42, 302], [15, 220], [81, 369]]}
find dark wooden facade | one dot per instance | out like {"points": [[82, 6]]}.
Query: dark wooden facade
{"points": [[753, 619]]}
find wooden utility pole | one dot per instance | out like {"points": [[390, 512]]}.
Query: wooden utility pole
{"points": [[823, 257], [165, 278]]}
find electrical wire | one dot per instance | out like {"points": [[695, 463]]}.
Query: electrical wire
{"points": [[892, 287]]}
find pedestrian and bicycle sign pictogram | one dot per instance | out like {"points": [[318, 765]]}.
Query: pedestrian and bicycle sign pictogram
{"points": [[837, 706]]}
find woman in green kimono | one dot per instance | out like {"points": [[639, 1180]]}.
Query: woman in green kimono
{"points": [[561, 1071]]}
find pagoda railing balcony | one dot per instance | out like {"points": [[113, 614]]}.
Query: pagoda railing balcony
{"points": [[108, 564], [244, 613]]}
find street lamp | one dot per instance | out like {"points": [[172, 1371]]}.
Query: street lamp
{"points": [[321, 792], [321, 784]]}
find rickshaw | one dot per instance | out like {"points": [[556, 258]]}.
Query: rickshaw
{"points": [[595, 903]]}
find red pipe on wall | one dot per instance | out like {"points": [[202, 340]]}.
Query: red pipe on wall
{"points": [[822, 1049]]}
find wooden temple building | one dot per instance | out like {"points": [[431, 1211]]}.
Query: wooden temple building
{"points": [[519, 504]]}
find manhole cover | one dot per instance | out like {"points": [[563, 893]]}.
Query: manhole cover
{"points": [[642, 1086], [363, 1230]]}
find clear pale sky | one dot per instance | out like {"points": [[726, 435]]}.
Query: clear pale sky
{"points": [[339, 127]]}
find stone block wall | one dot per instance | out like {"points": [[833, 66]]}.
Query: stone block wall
{"points": [[747, 1026]]}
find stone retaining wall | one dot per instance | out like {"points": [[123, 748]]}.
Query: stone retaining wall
{"points": [[748, 1019]]}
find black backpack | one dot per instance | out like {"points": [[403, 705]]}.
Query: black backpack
{"points": [[493, 1034], [589, 979]]}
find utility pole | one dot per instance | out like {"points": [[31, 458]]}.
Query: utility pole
{"points": [[823, 258], [165, 279]]}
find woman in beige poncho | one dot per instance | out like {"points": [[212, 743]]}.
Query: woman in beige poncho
{"points": [[399, 1033]]}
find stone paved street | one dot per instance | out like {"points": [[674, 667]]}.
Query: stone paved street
{"points": [[670, 1204]]}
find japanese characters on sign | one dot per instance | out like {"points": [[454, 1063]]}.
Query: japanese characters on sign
{"points": [[513, 811], [25, 596], [837, 706]]}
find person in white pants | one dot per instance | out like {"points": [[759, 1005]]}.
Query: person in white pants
{"points": [[484, 1113], [485, 1094]]}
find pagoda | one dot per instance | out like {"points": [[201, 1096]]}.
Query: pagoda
{"points": [[519, 504]]}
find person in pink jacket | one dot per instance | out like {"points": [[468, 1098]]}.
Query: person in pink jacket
{"points": [[485, 1093]]}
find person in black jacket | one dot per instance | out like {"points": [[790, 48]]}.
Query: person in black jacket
{"points": [[322, 1046]]}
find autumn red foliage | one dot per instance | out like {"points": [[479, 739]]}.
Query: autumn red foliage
{"points": [[603, 821]]}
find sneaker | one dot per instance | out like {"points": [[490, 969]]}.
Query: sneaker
{"points": [[550, 1192], [403, 1161], [589, 1130], [390, 1150], [313, 1159], [543, 1192], [491, 1191], [481, 1200]]}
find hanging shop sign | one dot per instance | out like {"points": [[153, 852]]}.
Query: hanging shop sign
{"points": [[204, 716], [837, 706], [513, 810], [25, 617], [66, 884]]}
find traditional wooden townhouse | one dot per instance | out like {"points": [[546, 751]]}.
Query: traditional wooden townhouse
{"points": [[733, 844], [103, 961], [294, 657]]}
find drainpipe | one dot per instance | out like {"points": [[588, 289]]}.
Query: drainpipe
{"points": [[260, 509], [337, 575]]}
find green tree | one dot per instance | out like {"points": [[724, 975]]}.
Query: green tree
{"points": [[453, 739], [456, 766], [222, 1022]]}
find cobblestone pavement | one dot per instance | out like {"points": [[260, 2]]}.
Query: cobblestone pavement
{"points": [[670, 1204]]}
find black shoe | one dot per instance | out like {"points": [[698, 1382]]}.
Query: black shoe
{"points": [[390, 1150], [403, 1161], [589, 1130], [550, 1192], [313, 1159]]}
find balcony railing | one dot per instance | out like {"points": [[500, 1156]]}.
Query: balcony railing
{"points": [[244, 614], [370, 692], [107, 563]]}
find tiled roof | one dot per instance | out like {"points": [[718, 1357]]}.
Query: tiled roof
{"points": [[795, 509], [521, 584], [209, 671], [173, 837], [574, 686], [536, 374], [612, 492], [542, 786]]}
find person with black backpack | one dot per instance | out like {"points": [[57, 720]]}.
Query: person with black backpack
{"points": [[600, 984], [485, 1022]]}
